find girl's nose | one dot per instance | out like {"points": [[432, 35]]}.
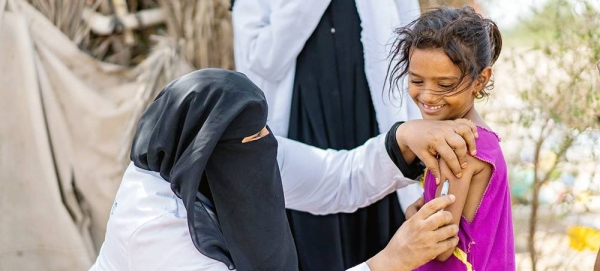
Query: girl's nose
{"points": [[429, 96]]}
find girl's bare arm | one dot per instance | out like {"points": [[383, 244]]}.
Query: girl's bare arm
{"points": [[468, 190]]}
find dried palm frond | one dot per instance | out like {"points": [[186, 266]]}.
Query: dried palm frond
{"points": [[67, 15], [202, 27], [114, 48], [205, 28]]}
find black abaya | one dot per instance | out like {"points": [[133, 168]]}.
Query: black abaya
{"points": [[332, 108]]}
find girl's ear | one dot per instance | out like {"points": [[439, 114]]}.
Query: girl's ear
{"points": [[484, 78]]}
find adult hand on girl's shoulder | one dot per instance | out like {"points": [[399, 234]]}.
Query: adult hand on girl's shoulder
{"points": [[430, 140]]}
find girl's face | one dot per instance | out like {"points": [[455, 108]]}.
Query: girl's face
{"points": [[431, 75]]}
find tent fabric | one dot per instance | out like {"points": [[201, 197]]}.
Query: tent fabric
{"points": [[64, 139]]}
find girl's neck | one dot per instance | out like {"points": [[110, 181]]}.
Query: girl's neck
{"points": [[474, 116]]}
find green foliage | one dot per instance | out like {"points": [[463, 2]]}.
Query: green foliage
{"points": [[558, 84], [552, 22], [561, 72]]}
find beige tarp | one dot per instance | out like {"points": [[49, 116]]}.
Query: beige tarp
{"points": [[66, 124]]}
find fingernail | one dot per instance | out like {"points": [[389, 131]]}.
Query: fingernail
{"points": [[459, 175], [452, 197], [437, 180], [476, 135], [473, 152], [464, 165]]}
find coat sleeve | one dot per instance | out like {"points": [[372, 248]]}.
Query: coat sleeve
{"points": [[269, 34], [328, 181]]}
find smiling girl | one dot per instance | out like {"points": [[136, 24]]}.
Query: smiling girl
{"points": [[448, 55]]}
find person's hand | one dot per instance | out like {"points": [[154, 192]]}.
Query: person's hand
{"points": [[432, 139], [414, 208], [419, 239]]}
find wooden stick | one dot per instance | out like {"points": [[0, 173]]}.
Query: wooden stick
{"points": [[105, 25], [121, 11]]}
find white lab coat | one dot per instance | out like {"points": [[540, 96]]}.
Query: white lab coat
{"points": [[269, 35]]}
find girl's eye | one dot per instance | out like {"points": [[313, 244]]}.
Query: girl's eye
{"points": [[446, 86], [416, 82]]}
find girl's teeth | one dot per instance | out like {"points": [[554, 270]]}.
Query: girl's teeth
{"points": [[433, 107]]}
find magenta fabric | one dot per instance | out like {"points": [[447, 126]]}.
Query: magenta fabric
{"points": [[489, 239]]}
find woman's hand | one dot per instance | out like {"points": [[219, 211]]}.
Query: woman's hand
{"points": [[419, 239], [414, 208], [431, 139]]}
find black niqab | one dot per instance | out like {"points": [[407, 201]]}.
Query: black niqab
{"points": [[191, 134]]}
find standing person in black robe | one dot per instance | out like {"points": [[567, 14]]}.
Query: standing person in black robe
{"points": [[331, 107]]}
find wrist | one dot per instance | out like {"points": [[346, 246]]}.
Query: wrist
{"points": [[401, 135], [382, 261], [399, 132]]}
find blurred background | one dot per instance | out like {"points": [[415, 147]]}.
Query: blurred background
{"points": [[75, 76]]}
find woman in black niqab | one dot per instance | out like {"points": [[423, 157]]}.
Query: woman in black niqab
{"points": [[192, 135]]}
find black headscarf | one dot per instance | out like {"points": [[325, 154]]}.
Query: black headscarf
{"points": [[191, 134]]}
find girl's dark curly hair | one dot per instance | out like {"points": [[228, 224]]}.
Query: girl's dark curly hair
{"points": [[469, 40]]}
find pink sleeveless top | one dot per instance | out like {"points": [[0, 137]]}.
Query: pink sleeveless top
{"points": [[486, 243]]}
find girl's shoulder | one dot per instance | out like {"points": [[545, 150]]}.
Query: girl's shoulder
{"points": [[487, 139], [488, 145], [487, 133]]}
